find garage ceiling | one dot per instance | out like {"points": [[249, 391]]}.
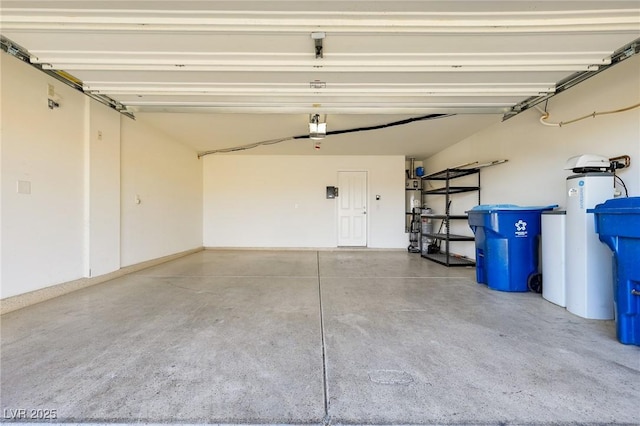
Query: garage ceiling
{"points": [[217, 74]]}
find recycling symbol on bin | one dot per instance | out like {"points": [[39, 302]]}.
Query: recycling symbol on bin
{"points": [[521, 228]]}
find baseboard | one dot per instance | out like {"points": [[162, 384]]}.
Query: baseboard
{"points": [[20, 301], [303, 249]]}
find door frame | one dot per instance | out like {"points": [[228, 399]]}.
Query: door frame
{"points": [[337, 206]]}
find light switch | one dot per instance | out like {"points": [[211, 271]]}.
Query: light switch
{"points": [[24, 187]]}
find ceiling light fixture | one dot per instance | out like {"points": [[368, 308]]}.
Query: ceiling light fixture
{"points": [[317, 129]]}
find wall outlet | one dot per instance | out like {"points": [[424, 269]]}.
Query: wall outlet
{"points": [[24, 187]]}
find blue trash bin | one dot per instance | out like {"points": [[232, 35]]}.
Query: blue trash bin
{"points": [[507, 239], [618, 226]]}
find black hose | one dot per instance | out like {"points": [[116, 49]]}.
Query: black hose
{"points": [[381, 126]]}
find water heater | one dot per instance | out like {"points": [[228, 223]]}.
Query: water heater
{"points": [[413, 199], [589, 263]]}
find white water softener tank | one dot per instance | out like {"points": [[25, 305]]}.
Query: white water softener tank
{"points": [[589, 263]]}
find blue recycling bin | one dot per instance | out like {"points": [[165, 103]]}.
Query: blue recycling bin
{"points": [[618, 226], [507, 239]]}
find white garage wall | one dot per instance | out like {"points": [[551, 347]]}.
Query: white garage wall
{"points": [[534, 174], [42, 232], [70, 225], [102, 191], [280, 201], [102, 196], [167, 179]]}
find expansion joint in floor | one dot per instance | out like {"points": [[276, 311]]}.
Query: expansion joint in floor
{"points": [[326, 419]]}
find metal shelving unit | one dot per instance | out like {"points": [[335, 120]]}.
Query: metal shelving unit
{"points": [[446, 257]]}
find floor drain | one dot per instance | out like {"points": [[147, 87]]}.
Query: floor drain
{"points": [[390, 377]]}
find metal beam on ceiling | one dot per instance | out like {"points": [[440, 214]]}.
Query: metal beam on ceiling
{"points": [[620, 55], [22, 54]]}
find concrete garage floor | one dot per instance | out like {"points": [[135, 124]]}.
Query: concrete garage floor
{"points": [[340, 337]]}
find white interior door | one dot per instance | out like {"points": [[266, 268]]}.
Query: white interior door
{"points": [[352, 209]]}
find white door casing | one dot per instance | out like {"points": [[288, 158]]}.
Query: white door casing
{"points": [[352, 209]]}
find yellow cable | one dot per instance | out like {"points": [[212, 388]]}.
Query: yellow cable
{"points": [[593, 115]]}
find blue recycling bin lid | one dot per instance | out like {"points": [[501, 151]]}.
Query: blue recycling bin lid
{"points": [[488, 208], [627, 205], [618, 217], [489, 215]]}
